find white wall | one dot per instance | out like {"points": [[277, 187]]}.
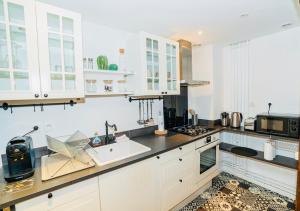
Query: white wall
{"points": [[247, 75], [263, 70], [206, 100], [88, 117]]}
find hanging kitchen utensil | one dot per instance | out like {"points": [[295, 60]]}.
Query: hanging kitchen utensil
{"points": [[151, 120], [147, 120], [140, 122], [143, 111], [151, 102]]}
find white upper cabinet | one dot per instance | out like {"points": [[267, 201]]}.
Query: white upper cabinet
{"points": [[60, 55], [40, 52], [19, 70], [172, 80], [158, 73], [151, 51]]}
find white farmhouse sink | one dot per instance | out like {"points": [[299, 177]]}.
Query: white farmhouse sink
{"points": [[104, 155]]}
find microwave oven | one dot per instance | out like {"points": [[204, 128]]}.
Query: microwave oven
{"points": [[286, 125]]}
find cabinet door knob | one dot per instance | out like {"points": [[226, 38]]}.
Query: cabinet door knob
{"points": [[180, 159], [166, 92], [36, 95], [180, 148], [180, 180], [157, 157], [50, 195], [162, 92], [45, 95]]}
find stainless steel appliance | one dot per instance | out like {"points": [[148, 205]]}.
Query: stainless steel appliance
{"points": [[249, 124], [191, 130], [236, 119], [287, 125], [225, 120], [194, 117], [207, 158], [185, 61]]}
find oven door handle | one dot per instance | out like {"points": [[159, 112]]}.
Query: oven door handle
{"points": [[213, 144]]}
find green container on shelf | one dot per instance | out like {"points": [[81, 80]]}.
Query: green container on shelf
{"points": [[102, 62], [113, 67]]}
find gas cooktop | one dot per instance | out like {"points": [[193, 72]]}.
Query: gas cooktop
{"points": [[192, 130]]}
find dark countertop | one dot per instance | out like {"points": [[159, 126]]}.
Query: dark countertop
{"points": [[278, 160], [158, 145]]}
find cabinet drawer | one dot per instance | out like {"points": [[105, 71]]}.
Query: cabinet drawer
{"points": [[88, 202], [72, 192], [186, 148], [186, 164], [171, 172], [176, 169], [173, 195], [77, 193], [178, 152], [39, 203]]}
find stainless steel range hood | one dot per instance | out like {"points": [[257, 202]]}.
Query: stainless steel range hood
{"points": [[185, 58]]}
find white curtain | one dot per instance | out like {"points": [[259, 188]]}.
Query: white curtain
{"points": [[236, 77]]}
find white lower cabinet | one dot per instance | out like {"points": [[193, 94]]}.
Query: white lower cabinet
{"points": [[177, 176], [88, 202], [132, 188], [77, 197], [158, 183], [39, 203]]}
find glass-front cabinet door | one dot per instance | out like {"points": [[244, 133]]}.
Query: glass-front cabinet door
{"points": [[60, 44], [153, 64], [172, 67], [19, 70]]}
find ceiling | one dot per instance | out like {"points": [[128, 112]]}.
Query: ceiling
{"points": [[218, 20]]}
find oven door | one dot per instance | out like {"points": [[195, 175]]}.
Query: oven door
{"points": [[207, 161]]}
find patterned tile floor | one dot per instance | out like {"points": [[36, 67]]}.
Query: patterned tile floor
{"points": [[230, 193]]}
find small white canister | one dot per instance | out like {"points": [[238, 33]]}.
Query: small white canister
{"points": [[296, 155], [268, 151]]}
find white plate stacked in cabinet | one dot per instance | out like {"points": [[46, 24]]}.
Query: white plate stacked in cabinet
{"points": [[177, 175]]}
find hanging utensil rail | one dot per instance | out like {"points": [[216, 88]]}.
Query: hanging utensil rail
{"points": [[144, 98], [5, 106]]}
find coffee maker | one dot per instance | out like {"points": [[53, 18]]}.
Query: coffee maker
{"points": [[20, 158]]}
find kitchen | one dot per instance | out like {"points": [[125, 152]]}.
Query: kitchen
{"points": [[239, 64]]}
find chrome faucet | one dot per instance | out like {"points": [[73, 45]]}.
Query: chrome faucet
{"points": [[108, 140]]}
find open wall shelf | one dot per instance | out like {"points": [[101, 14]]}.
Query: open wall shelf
{"points": [[108, 72]]}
